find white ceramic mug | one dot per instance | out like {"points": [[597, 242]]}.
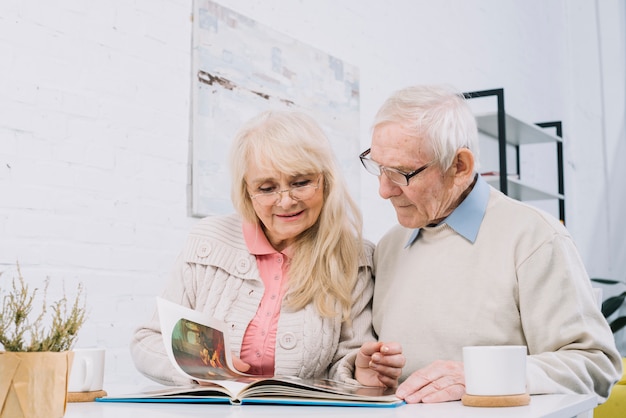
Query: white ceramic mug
{"points": [[87, 373], [495, 370]]}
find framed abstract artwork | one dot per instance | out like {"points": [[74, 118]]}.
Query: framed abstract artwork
{"points": [[241, 68]]}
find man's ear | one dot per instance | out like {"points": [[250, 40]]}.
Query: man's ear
{"points": [[464, 164]]}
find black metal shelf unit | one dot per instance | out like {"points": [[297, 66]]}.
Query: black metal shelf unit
{"points": [[496, 124]]}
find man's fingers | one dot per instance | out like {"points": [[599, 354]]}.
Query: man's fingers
{"points": [[451, 393], [391, 348], [393, 372], [369, 348], [364, 355], [396, 360], [411, 385], [388, 381], [441, 381]]}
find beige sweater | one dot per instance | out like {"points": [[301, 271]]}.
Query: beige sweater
{"points": [[216, 274], [521, 282]]}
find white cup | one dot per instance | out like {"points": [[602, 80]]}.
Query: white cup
{"points": [[495, 370], [87, 373]]}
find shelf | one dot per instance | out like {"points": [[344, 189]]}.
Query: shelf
{"points": [[511, 132], [521, 191], [517, 132]]}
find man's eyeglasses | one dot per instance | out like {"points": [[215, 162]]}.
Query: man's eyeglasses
{"points": [[301, 190], [398, 177]]}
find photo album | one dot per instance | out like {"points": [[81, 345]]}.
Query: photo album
{"points": [[199, 349]]}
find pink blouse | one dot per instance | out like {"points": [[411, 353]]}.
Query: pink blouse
{"points": [[259, 340]]}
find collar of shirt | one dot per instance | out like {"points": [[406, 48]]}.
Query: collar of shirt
{"points": [[257, 242], [468, 216]]}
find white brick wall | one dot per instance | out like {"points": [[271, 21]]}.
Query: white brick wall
{"points": [[94, 100], [94, 123]]}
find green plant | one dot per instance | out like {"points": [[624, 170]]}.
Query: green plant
{"points": [[20, 330], [613, 304]]}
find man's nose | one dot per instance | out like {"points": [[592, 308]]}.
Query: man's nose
{"points": [[387, 188]]}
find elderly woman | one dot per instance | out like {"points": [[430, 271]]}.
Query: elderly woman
{"points": [[289, 273]]}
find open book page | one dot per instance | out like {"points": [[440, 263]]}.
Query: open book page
{"points": [[291, 388], [277, 390], [198, 348]]}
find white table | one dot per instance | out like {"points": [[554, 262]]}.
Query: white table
{"points": [[545, 406]]}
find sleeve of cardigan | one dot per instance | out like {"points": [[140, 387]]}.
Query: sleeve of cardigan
{"points": [[571, 347], [147, 348], [360, 330]]}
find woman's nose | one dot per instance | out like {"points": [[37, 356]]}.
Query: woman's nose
{"points": [[284, 199]]}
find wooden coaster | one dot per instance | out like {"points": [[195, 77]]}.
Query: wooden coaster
{"points": [[85, 396], [496, 401]]}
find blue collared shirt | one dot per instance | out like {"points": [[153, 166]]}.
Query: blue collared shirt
{"points": [[468, 216]]}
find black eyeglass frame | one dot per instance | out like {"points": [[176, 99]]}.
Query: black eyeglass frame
{"points": [[382, 169]]}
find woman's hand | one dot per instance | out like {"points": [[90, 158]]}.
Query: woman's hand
{"points": [[240, 365], [379, 364]]}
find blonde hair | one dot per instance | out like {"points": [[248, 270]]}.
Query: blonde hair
{"points": [[326, 257]]}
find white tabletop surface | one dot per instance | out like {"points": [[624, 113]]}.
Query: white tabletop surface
{"points": [[546, 406]]}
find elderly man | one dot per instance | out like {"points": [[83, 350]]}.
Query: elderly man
{"points": [[470, 266]]}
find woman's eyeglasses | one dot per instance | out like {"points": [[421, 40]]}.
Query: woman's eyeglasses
{"points": [[302, 190]]}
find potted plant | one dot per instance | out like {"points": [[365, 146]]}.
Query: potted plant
{"points": [[36, 361]]}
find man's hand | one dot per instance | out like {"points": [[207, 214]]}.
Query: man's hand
{"points": [[379, 364], [441, 381]]}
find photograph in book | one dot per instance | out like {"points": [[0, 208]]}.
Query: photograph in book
{"points": [[197, 346], [199, 349]]}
